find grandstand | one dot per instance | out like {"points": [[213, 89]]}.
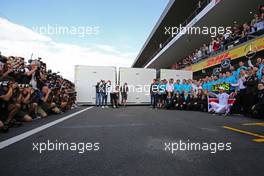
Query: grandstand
{"points": [[161, 51], [192, 104]]}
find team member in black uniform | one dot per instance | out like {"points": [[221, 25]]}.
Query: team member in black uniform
{"points": [[251, 84], [258, 108], [177, 100], [193, 104], [185, 101]]}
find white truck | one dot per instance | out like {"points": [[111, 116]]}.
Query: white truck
{"points": [[86, 78], [138, 80], [174, 74]]}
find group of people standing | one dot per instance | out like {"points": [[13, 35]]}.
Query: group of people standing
{"points": [[105, 89], [177, 95], [244, 86]]}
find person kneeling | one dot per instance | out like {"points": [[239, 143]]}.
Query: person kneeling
{"points": [[222, 107]]}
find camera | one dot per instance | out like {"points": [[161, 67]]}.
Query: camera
{"points": [[2, 59], [19, 70], [4, 83], [23, 86]]}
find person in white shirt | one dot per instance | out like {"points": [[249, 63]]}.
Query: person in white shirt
{"points": [[222, 107], [170, 88], [108, 90]]}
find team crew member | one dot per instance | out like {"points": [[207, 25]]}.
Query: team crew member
{"points": [[124, 91], [97, 95], [177, 86], [103, 92], [258, 108], [170, 88], [222, 107], [108, 89], [153, 93], [114, 96], [161, 94], [185, 100]]}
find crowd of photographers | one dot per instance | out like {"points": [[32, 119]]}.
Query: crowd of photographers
{"points": [[240, 34], [243, 85], [29, 91]]}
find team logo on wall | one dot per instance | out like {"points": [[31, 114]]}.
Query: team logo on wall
{"points": [[216, 71], [225, 63]]}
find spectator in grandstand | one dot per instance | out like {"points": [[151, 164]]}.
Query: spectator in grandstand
{"points": [[239, 35], [210, 48], [216, 44], [254, 22], [205, 50], [261, 9], [124, 91]]}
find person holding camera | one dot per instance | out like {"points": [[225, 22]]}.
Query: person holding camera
{"points": [[8, 104], [47, 106], [29, 101]]}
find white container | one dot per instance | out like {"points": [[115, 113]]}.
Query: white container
{"points": [[175, 74], [138, 80], [86, 78]]}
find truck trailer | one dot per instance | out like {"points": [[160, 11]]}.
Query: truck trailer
{"points": [[86, 78], [138, 81], [174, 74]]}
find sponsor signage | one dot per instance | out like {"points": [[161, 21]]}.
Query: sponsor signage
{"points": [[244, 50]]}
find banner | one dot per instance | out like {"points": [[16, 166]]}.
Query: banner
{"points": [[241, 51], [226, 86]]}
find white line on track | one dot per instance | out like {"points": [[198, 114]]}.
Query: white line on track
{"points": [[22, 136]]}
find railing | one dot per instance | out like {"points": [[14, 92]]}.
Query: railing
{"points": [[203, 4]]}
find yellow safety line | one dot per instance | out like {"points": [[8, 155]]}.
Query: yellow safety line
{"points": [[259, 140], [244, 132], [254, 124]]}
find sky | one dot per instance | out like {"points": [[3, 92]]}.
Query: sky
{"points": [[89, 32]]}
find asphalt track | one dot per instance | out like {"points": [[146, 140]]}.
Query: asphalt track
{"points": [[132, 143]]}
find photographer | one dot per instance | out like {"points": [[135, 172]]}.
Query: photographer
{"points": [[46, 105], [29, 100], [27, 91], [8, 104]]}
